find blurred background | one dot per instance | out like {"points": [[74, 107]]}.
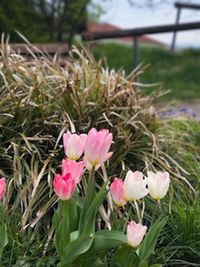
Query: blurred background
{"points": [[64, 21]]}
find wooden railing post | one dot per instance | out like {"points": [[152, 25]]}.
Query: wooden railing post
{"points": [[175, 32], [135, 52]]}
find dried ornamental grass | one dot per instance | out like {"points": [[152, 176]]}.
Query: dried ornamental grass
{"points": [[40, 100]]}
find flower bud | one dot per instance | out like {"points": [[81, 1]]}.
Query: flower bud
{"points": [[158, 184], [135, 233], [74, 145], [97, 146], [134, 186], [74, 168], [64, 186], [117, 192]]}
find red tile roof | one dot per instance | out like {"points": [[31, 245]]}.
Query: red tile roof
{"points": [[105, 27]]}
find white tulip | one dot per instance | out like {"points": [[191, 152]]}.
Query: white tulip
{"points": [[134, 186], [158, 184], [135, 233]]}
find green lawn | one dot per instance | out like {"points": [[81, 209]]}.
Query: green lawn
{"points": [[178, 72]]}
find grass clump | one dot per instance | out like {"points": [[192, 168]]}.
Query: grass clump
{"points": [[174, 71], [40, 100]]}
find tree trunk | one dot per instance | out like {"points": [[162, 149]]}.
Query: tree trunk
{"points": [[62, 21]]}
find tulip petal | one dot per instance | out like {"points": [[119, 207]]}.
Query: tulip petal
{"points": [[64, 186], [2, 187], [117, 192], [135, 233], [158, 184], [134, 186], [97, 146]]}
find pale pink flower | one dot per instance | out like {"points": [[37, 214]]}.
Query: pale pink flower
{"points": [[158, 184], [135, 233], [134, 186], [97, 146], [64, 186], [74, 145], [2, 187], [117, 192], [74, 168]]}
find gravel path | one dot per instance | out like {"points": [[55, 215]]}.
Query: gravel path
{"points": [[185, 108], [193, 105]]}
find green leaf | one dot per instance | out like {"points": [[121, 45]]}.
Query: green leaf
{"points": [[88, 223], [103, 241], [3, 239], [106, 239], [125, 256], [156, 265], [143, 264], [74, 235], [91, 263], [56, 223], [76, 248], [148, 245], [73, 215], [57, 216], [89, 196], [94, 208], [61, 222], [97, 263]]}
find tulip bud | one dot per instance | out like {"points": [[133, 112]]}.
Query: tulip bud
{"points": [[117, 192], [135, 233], [97, 146], [2, 187], [64, 186], [74, 168], [74, 145], [158, 184], [134, 186]]}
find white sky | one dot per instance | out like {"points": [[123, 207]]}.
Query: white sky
{"points": [[120, 13]]}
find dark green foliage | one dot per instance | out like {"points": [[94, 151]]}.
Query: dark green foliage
{"points": [[21, 15], [43, 20]]}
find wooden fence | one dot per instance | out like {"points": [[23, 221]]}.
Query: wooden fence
{"points": [[135, 33]]}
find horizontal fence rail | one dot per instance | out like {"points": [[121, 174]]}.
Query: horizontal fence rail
{"points": [[141, 31], [187, 5]]}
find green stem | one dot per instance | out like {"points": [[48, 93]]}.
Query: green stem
{"points": [[138, 211], [90, 192], [158, 206], [110, 202], [143, 208], [89, 196]]}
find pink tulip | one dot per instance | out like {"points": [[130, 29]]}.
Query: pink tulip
{"points": [[117, 192], [64, 186], [2, 187], [158, 184], [74, 168], [74, 145], [134, 186], [135, 233], [97, 146]]}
